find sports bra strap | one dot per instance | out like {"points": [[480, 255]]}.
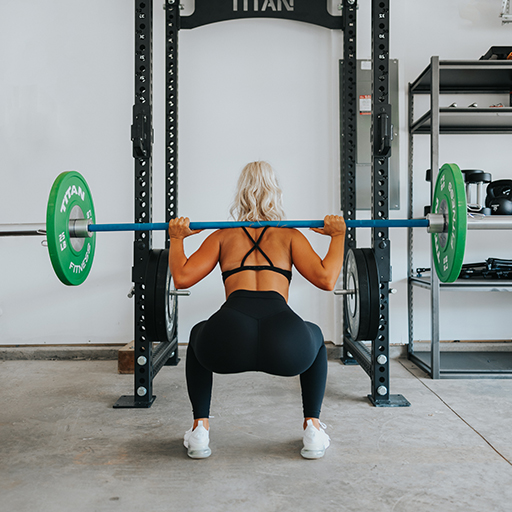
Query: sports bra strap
{"points": [[255, 246]]}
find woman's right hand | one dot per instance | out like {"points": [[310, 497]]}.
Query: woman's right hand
{"points": [[180, 228], [334, 225]]}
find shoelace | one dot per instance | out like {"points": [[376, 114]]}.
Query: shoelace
{"points": [[324, 426]]}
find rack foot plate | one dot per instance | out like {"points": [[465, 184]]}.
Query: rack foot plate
{"points": [[394, 401], [129, 402]]}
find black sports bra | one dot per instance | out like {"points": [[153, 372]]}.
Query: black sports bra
{"points": [[242, 267]]}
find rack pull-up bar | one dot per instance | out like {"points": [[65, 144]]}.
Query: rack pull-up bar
{"points": [[310, 11]]}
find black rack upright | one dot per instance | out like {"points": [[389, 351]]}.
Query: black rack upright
{"points": [[375, 362]]}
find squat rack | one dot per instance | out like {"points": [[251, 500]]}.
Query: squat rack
{"points": [[149, 361]]}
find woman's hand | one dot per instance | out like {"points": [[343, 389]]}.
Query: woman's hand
{"points": [[323, 273], [334, 225], [179, 228]]}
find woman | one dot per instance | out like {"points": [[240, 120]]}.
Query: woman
{"points": [[255, 329]]}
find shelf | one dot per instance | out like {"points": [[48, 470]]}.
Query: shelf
{"points": [[468, 365], [489, 77], [477, 285], [471, 120], [467, 77]]}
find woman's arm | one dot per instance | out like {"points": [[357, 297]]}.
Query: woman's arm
{"points": [[323, 273], [189, 271]]}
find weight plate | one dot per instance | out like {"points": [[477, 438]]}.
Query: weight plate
{"points": [[161, 311], [70, 198], [450, 200], [373, 313], [352, 301], [362, 307]]}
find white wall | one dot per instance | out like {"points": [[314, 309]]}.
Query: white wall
{"points": [[252, 89], [66, 100]]}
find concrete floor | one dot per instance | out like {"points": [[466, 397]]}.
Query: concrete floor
{"points": [[64, 448]]}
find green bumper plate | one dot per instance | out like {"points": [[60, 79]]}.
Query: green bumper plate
{"points": [[70, 198], [450, 200]]}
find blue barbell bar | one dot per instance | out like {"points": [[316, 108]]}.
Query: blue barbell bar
{"points": [[163, 226]]}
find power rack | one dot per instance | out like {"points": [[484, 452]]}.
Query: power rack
{"points": [[149, 360]]}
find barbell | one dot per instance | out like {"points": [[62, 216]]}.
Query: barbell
{"points": [[71, 229]]}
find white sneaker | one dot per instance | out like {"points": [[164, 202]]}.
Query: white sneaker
{"points": [[315, 441], [196, 441]]}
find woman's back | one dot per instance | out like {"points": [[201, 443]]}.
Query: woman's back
{"points": [[237, 245], [283, 247]]}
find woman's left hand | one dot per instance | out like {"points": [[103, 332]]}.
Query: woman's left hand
{"points": [[180, 228]]}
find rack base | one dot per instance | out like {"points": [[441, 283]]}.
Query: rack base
{"points": [[129, 402]]}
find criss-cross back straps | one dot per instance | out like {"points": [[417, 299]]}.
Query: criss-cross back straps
{"points": [[256, 246]]}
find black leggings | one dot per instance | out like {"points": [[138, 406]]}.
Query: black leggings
{"points": [[256, 331]]}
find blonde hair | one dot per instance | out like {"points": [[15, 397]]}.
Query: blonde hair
{"points": [[258, 196]]}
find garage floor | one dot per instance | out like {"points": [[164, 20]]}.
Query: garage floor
{"points": [[64, 448]]}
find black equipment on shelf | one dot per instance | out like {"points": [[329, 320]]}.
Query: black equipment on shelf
{"points": [[491, 268], [499, 197]]}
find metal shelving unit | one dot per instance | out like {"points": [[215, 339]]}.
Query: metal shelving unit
{"points": [[467, 120], [455, 77]]}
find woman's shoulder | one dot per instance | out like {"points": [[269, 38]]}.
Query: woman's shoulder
{"points": [[222, 235], [215, 237], [291, 232], [286, 236]]}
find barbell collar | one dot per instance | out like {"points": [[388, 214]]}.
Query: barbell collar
{"points": [[437, 223], [78, 228]]}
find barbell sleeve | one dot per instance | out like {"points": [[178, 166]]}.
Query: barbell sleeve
{"points": [[344, 292], [22, 229], [484, 222], [180, 293], [475, 221]]}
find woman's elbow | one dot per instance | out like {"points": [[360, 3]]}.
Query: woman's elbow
{"points": [[327, 283], [179, 282]]}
